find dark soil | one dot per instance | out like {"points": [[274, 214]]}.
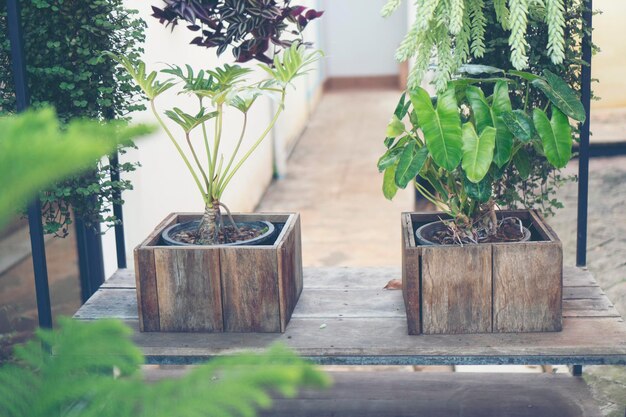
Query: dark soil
{"points": [[226, 234], [508, 231]]}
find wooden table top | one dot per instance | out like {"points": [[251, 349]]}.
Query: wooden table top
{"points": [[344, 316]]}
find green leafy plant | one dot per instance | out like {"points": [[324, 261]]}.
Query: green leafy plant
{"points": [[94, 370], [36, 151], [462, 142], [453, 31], [63, 43], [214, 91], [538, 189]]}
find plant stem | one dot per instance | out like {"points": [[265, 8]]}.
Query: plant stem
{"points": [[195, 157], [216, 140], [256, 144], [180, 151], [232, 158]]}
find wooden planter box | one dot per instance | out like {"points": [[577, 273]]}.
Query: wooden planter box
{"points": [[484, 288], [219, 288]]}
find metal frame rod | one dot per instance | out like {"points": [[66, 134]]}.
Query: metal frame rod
{"points": [[583, 158], [120, 244], [37, 244]]}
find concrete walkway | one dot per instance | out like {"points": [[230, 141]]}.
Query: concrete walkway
{"points": [[332, 180]]}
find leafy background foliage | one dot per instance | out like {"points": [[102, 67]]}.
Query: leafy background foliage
{"points": [[35, 151], [64, 41], [538, 188], [79, 380], [251, 27]]}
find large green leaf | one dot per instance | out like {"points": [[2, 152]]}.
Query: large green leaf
{"points": [[480, 108], [441, 127], [501, 103], [410, 164], [389, 158], [522, 163], [519, 124], [395, 127], [561, 95], [389, 183], [477, 151], [479, 191], [556, 136]]}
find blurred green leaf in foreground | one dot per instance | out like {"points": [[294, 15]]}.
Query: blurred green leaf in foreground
{"points": [[36, 151], [79, 380]]}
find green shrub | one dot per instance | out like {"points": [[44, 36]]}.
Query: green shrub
{"points": [[64, 41]]}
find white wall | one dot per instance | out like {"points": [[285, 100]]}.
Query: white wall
{"points": [[163, 185], [358, 41]]}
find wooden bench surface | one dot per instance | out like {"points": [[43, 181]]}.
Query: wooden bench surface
{"points": [[344, 316]]}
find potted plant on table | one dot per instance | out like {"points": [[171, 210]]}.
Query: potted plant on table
{"points": [[463, 268], [201, 272]]}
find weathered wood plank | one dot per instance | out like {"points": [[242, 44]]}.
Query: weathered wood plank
{"points": [[527, 287], [378, 340], [350, 304], [289, 270], [188, 283], [147, 293], [443, 394], [456, 289], [575, 293], [361, 278], [250, 289], [411, 277]]}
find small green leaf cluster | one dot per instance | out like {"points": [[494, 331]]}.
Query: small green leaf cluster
{"points": [[36, 151], [63, 42], [462, 141], [94, 370]]}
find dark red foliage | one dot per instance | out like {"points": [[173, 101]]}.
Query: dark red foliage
{"points": [[249, 26]]}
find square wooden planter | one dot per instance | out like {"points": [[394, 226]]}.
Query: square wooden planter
{"points": [[484, 288], [220, 288]]}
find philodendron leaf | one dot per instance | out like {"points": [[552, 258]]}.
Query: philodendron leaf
{"points": [[519, 124], [477, 152], [556, 136], [528, 76], [561, 95], [522, 163], [480, 108], [441, 127], [480, 191], [501, 103], [395, 127], [410, 164], [389, 183], [389, 158], [402, 108]]}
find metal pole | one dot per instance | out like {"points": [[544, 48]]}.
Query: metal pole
{"points": [[120, 245], [90, 260], [583, 159], [38, 248]]}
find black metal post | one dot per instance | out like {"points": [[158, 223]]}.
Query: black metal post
{"points": [[120, 245], [90, 260], [583, 159], [38, 248]]}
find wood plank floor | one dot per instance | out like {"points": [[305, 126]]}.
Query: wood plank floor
{"points": [[345, 317]]}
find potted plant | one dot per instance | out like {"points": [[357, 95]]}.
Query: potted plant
{"points": [[202, 272], [471, 268]]}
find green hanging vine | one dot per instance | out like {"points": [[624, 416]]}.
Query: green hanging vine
{"points": [[452, 31]]}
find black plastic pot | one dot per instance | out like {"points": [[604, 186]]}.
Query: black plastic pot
{"points": [[168, 240], [424, 233]]}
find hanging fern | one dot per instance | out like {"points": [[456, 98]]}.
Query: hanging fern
{"points": [[95, 372], [452, 31]]}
